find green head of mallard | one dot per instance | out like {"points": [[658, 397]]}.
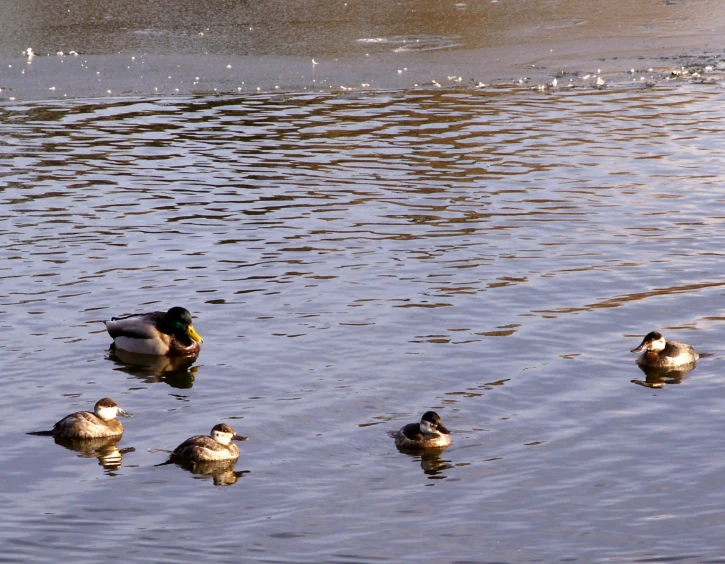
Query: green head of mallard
{"points": [[177, 321]]}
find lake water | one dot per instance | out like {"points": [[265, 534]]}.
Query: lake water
{"points": [[353, 260]]}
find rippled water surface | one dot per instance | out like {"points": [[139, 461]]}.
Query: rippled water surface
{"points": [[351, 262]]}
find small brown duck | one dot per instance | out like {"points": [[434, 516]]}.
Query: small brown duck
{"points": [[101, 422], [429, 433], [215, 446], [659, 353]]}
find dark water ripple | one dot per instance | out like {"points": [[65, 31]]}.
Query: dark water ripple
{"points": [[352, 261]]}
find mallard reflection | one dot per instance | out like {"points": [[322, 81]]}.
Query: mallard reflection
{"points": [[658, 377], [104, 449], [220, 471], [177, 372]]}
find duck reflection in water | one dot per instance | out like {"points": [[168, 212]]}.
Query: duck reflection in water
{"points": [[176, 371], [427, 440], [432, 464], [659, 377], [220, 471], [104, 449]]}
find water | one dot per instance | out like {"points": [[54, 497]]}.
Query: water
{"points": [[134, 48], [351, 262]]}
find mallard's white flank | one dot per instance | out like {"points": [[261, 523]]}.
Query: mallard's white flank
{"points": [[156, 333]]}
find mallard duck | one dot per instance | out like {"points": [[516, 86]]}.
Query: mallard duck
{"points": [[206, 448], [659, 353], [156, 333], [86, 425], [429, 433]]}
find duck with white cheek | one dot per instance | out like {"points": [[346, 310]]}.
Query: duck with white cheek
{"points": [[217, 446], [100, 423], [658, 353], [430, 433]]}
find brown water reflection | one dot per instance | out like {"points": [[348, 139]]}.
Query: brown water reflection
{"points": [[104, 449], [291, 28], [658, 377], [177, 372], [221, 473], [432, 463], [189, 47]]}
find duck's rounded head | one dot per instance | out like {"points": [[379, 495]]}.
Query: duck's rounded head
{"points": [[431, 424], [177, 321], [653, 341], [224, 434], [107, 409]]}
